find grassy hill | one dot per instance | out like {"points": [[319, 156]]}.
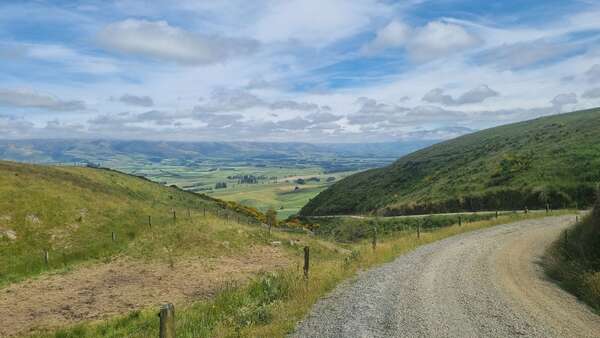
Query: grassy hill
{"points": [[73, 212], [554, 160]]}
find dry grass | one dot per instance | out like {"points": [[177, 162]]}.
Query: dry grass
{"points": [[272, 304]]}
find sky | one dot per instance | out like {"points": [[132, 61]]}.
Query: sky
{"points": [[291, 70]]}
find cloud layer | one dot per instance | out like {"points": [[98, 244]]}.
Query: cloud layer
{"points": [[299, 70]]}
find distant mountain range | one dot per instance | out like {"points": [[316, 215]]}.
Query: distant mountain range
{"points": [[114, 153]]}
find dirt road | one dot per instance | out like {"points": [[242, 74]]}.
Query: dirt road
{"points": [[486, 283]]}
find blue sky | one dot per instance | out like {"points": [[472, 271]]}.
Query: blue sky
{"points": [[315, 71]]}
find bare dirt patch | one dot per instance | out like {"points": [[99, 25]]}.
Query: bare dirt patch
{"points": [[8, 233], [124, 285]]}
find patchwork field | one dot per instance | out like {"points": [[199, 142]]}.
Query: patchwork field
{"points": [[284, 189]]}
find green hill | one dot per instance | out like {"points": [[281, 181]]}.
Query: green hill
{"points": [[73, 212], [554, 160]]}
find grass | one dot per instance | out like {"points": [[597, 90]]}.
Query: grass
{"points": [[574, 260], [272, 304], [553, 160], [72, 212]]}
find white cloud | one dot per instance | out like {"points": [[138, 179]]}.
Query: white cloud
{"points": [[161, 41], [434, 40], [475, 95], [393, 35], [30, 99], [439, 39], [593, 93], [134, 100], [225, 100], [564, 99], [315, 22], [593, 74], [12, 127], [70, 59]]}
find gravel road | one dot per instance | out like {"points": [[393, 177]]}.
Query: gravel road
{"points": [[486, 283]]}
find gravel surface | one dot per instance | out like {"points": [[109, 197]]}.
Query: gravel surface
{"points": [[486, 283]]}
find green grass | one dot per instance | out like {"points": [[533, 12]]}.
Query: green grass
{"points": [[72, 212], [272, 304], [574, 260], [553, 160]]}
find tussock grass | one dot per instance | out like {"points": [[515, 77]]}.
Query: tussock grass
{"points": [[72, 213], [272, 304], [574, 260]]}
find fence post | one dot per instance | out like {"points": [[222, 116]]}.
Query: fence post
{"points": [[167, 321], [459, 220], [418, 230], [174, 216], [114, 236], [496, 213], [150, 221], [566, 236], [46, 257], [526, 210], [547, 208], [306, 261], [204, 211], [374, 238]]}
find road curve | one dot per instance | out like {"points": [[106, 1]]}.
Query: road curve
{"points": [[486, 283]]}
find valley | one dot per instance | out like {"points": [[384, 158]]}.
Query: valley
{"points": [[271, 170]]}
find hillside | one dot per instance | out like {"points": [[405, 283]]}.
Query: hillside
{"points": [[553, 160], [73, 212]]}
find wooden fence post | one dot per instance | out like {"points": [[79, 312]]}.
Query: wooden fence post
{"points": [[46, 257], [418, 230], [547, 208], [374, 238], [174, 216], [496, 213], [150, 221], [526, 210], [306, 261], [114, 236], [167, 321], [204, 211], [459, 220]]}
